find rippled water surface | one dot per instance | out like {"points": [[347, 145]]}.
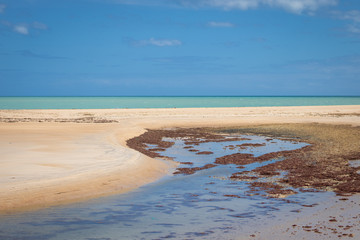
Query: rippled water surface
{"points": [[177, 206]]}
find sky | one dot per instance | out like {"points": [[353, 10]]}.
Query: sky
{"points": [[179, 47]]}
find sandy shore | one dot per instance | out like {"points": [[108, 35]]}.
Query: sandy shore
{"points": [[45, 164], [51, 157]]}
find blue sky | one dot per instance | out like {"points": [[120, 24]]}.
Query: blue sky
{"points": [[179, 47]]}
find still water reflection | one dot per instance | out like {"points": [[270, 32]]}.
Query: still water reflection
{"points": [[178, 206]]}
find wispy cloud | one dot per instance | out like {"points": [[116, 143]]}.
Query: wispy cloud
{"points": [[294, 6], [2, 8], [24, 28], [28, 53], [353, 19], [39, 25], [6, 23], [155, 42], [191, 63], [353, 29], [338, 66], [21, 28], [299, 6], [145, 2], [353, 15], [220, 24]]}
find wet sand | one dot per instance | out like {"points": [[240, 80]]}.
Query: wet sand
{"points": [[330, 219], [51, 157], [330, 164]]}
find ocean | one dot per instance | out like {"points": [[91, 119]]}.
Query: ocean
{"points": [[167, 102]]}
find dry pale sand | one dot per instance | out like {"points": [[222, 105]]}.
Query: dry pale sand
{"points": [[44, 164], [51, 157]]}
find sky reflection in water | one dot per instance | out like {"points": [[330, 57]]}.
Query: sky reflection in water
{"points": [[179, 206]]}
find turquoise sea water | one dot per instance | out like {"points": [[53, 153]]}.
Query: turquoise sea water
{"points": [[167, 102]]}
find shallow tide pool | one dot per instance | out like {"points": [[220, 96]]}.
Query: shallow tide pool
{"points": [[203, 205]]}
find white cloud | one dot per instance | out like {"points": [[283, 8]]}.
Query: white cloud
{"points": [[158, 42], [2, 8], [22, 29], [294, 6], [220, 24], [299, 6]]}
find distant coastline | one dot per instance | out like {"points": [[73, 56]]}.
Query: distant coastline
{"points": [[132, 102]]}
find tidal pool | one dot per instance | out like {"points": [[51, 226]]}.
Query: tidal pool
{"points": [[203, 205]]}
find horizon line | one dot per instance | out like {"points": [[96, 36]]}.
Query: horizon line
{"points": [[188, 96]]}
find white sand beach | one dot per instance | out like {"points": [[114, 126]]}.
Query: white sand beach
{"points": [[55, 157], [52, 157]]}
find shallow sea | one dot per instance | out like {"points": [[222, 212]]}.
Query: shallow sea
{"points": [[175, 207], [167, 102]]}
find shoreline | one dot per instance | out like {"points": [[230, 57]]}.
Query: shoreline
{"points": [[120, 172], [45, 166], [328, 166]]}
